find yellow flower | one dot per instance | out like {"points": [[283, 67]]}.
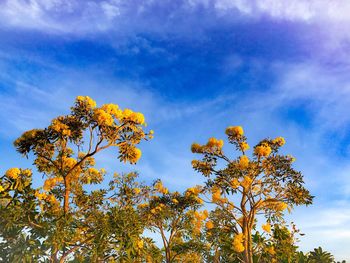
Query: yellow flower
{"points": [[175, 201], [60, 127], [280, 141], [135, 155], [103, 118], [90, 103], [270, 250], [266, 227], [194, 190], [215, 143], [138, 118], [13, 173], [263, 150], [196, 148], [68, 162], [40, 196], [113, 110], [235, 183], [139, 244], [243, 162], [1, 189], [51, 183], [234, 131], [216, 195], [209, 225], [238, 243], [27, 172], [246, 182], [281, 206], [137, 190], [244, 146]]}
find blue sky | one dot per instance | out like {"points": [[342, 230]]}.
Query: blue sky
{"points": [[193, 67]]}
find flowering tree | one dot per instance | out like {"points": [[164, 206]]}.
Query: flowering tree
{"points": [[246, 187], [60, 215], [175, 218]]}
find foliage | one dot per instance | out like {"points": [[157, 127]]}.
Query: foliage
{"points": [[264, 184], [71, 218]]}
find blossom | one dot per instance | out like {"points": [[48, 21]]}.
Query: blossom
{"points": [[194, 190], [281, 206], [86, 100], [235, 183], [13, 173], [160, 188], [137, 190], [113, 110], [175, 201], [270, 250], [137, 117], [246, 182], [39, 195], [266, 227], [209, 225], [1, 189], [216, 195], [139, 243], [60, 127], [196, 148], [244, 146], [103, 118], [262, 150], [243, 162], [51, 183], [215, 143], [238, 243], [135, 154], [280, 141], [234, 131]]}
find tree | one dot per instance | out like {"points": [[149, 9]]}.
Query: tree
{"points": [[175, 217], [243, 188], [61, 216], [320, 256]]}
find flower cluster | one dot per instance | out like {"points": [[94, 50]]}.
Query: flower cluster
{"points": [[209, 225], [234, 131], [243, 162], [235, 183], [135, 154], [113, 110], [213, 146], [129, 115], [246, 182], [266, 227], [238, 243], [262, 150], [103, 118], [86, 101], [197, 221], [60, 127], [160, 188], [51, 183], [280, 141], [13, 173]]}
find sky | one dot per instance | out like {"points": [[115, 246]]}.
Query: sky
{"points": [[193, 67]]}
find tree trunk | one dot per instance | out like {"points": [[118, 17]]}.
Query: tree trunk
{"points": [[248, 254], [66, 196]]}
